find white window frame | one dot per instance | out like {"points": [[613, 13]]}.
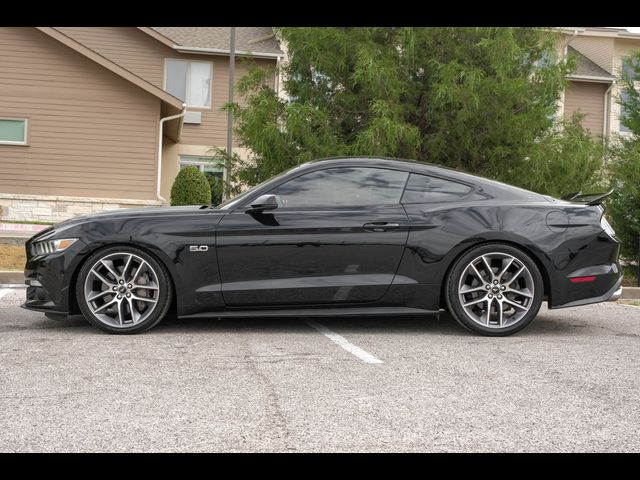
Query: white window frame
{"points": [[189, 61], [193, 161], [26, 132]]}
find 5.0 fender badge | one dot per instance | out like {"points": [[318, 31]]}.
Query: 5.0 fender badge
{"points": [[198, 248]]}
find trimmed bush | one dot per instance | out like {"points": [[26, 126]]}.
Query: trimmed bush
{"points": [[190, 188]]}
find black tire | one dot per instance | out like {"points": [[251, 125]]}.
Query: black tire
{"points": [[452, 297], [58, 317], [165, 291]]}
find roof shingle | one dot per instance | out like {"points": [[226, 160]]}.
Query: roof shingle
{"points": [[585, 66], [248, 39]]}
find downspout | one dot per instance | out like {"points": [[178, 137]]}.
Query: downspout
{"points": [[162, 120], [605, 126]]}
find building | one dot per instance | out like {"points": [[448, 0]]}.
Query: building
{"points": [[100, 118], [593, 89]]}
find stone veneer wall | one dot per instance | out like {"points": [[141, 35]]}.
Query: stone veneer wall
{"points": [[45, 208]]}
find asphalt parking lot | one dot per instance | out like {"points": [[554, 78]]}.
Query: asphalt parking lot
{"points": [[569, 382]]}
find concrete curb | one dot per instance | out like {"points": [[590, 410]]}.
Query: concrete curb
{"points": [[631, 293], [11, 278]]}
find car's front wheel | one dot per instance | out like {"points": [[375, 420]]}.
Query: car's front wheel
{"points": [[123, 290], [494, 289]]}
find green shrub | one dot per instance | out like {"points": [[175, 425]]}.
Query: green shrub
{"points": [[190, 188], [623, 209]]}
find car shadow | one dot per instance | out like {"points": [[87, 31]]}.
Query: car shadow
{"points": [[404, 324], [444, 324]]}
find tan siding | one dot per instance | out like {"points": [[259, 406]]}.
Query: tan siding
{"points": [[91, 133], [140, 54], [587, 98], [597, 49]]}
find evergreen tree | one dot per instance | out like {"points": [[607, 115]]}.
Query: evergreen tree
{"points": [[479, 99]]}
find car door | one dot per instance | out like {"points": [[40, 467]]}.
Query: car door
{"points": [[337, 236]]}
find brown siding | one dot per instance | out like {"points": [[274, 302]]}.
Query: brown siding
{"points": [[140, 54], [91, 133], [587, 98]]}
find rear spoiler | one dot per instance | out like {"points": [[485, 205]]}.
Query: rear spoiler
{"points": [[588, 199]]}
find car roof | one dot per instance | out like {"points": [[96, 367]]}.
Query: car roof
{"points": [[496, 187]]}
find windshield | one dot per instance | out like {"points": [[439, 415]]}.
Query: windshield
{"points": [[232, 202]]}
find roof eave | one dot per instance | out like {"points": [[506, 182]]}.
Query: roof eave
{"points": [[223, 51], [591, 78], [158, 36]]}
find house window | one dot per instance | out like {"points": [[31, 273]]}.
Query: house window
{"points": [[624, 97], [13, 131], [189, 81], [210, 166]]}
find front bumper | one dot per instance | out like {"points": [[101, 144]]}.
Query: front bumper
{"points": [[49, 279]]}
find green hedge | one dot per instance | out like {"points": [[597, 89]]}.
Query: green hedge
{"points": [[190, 188]]}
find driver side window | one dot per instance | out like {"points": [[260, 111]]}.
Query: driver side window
{"points": [[342, 186]]}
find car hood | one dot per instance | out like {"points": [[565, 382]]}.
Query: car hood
{"points": [[122, 213]]}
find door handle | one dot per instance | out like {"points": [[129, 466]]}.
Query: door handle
{"points": [[380, 226]]}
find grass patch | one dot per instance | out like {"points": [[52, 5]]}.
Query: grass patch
{"points": [[12, 257], [28, 223], [625, 301]]}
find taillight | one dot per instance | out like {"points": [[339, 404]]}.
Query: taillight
{"points": [[582, 279]]}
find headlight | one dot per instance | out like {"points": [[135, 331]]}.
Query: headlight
{"points": [[606, 227], [52, 246]]}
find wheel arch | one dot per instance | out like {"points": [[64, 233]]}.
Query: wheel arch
{"points": [[510, 242], [73, 306]]}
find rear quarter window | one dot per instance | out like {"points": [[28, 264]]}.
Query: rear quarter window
{"points": [[426, 189]]}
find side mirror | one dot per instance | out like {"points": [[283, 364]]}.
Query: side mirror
{"points": [[263, 203]]}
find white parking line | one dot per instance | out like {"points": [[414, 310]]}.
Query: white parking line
{"points": [[4, 291], [344, 343]]}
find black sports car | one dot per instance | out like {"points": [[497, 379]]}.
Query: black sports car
{"points": [[345, 236]]}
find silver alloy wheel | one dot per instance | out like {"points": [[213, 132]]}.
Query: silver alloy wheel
{"points": [[496, 290], [121, 289]]}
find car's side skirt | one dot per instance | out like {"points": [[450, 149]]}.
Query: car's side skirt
{"points": [[316, 312]]}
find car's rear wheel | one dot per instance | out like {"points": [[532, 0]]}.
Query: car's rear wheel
{"points": [[123, 290], [494, 289]]}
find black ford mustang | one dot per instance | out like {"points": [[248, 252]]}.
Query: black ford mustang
{"points": [[346, 236]]}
